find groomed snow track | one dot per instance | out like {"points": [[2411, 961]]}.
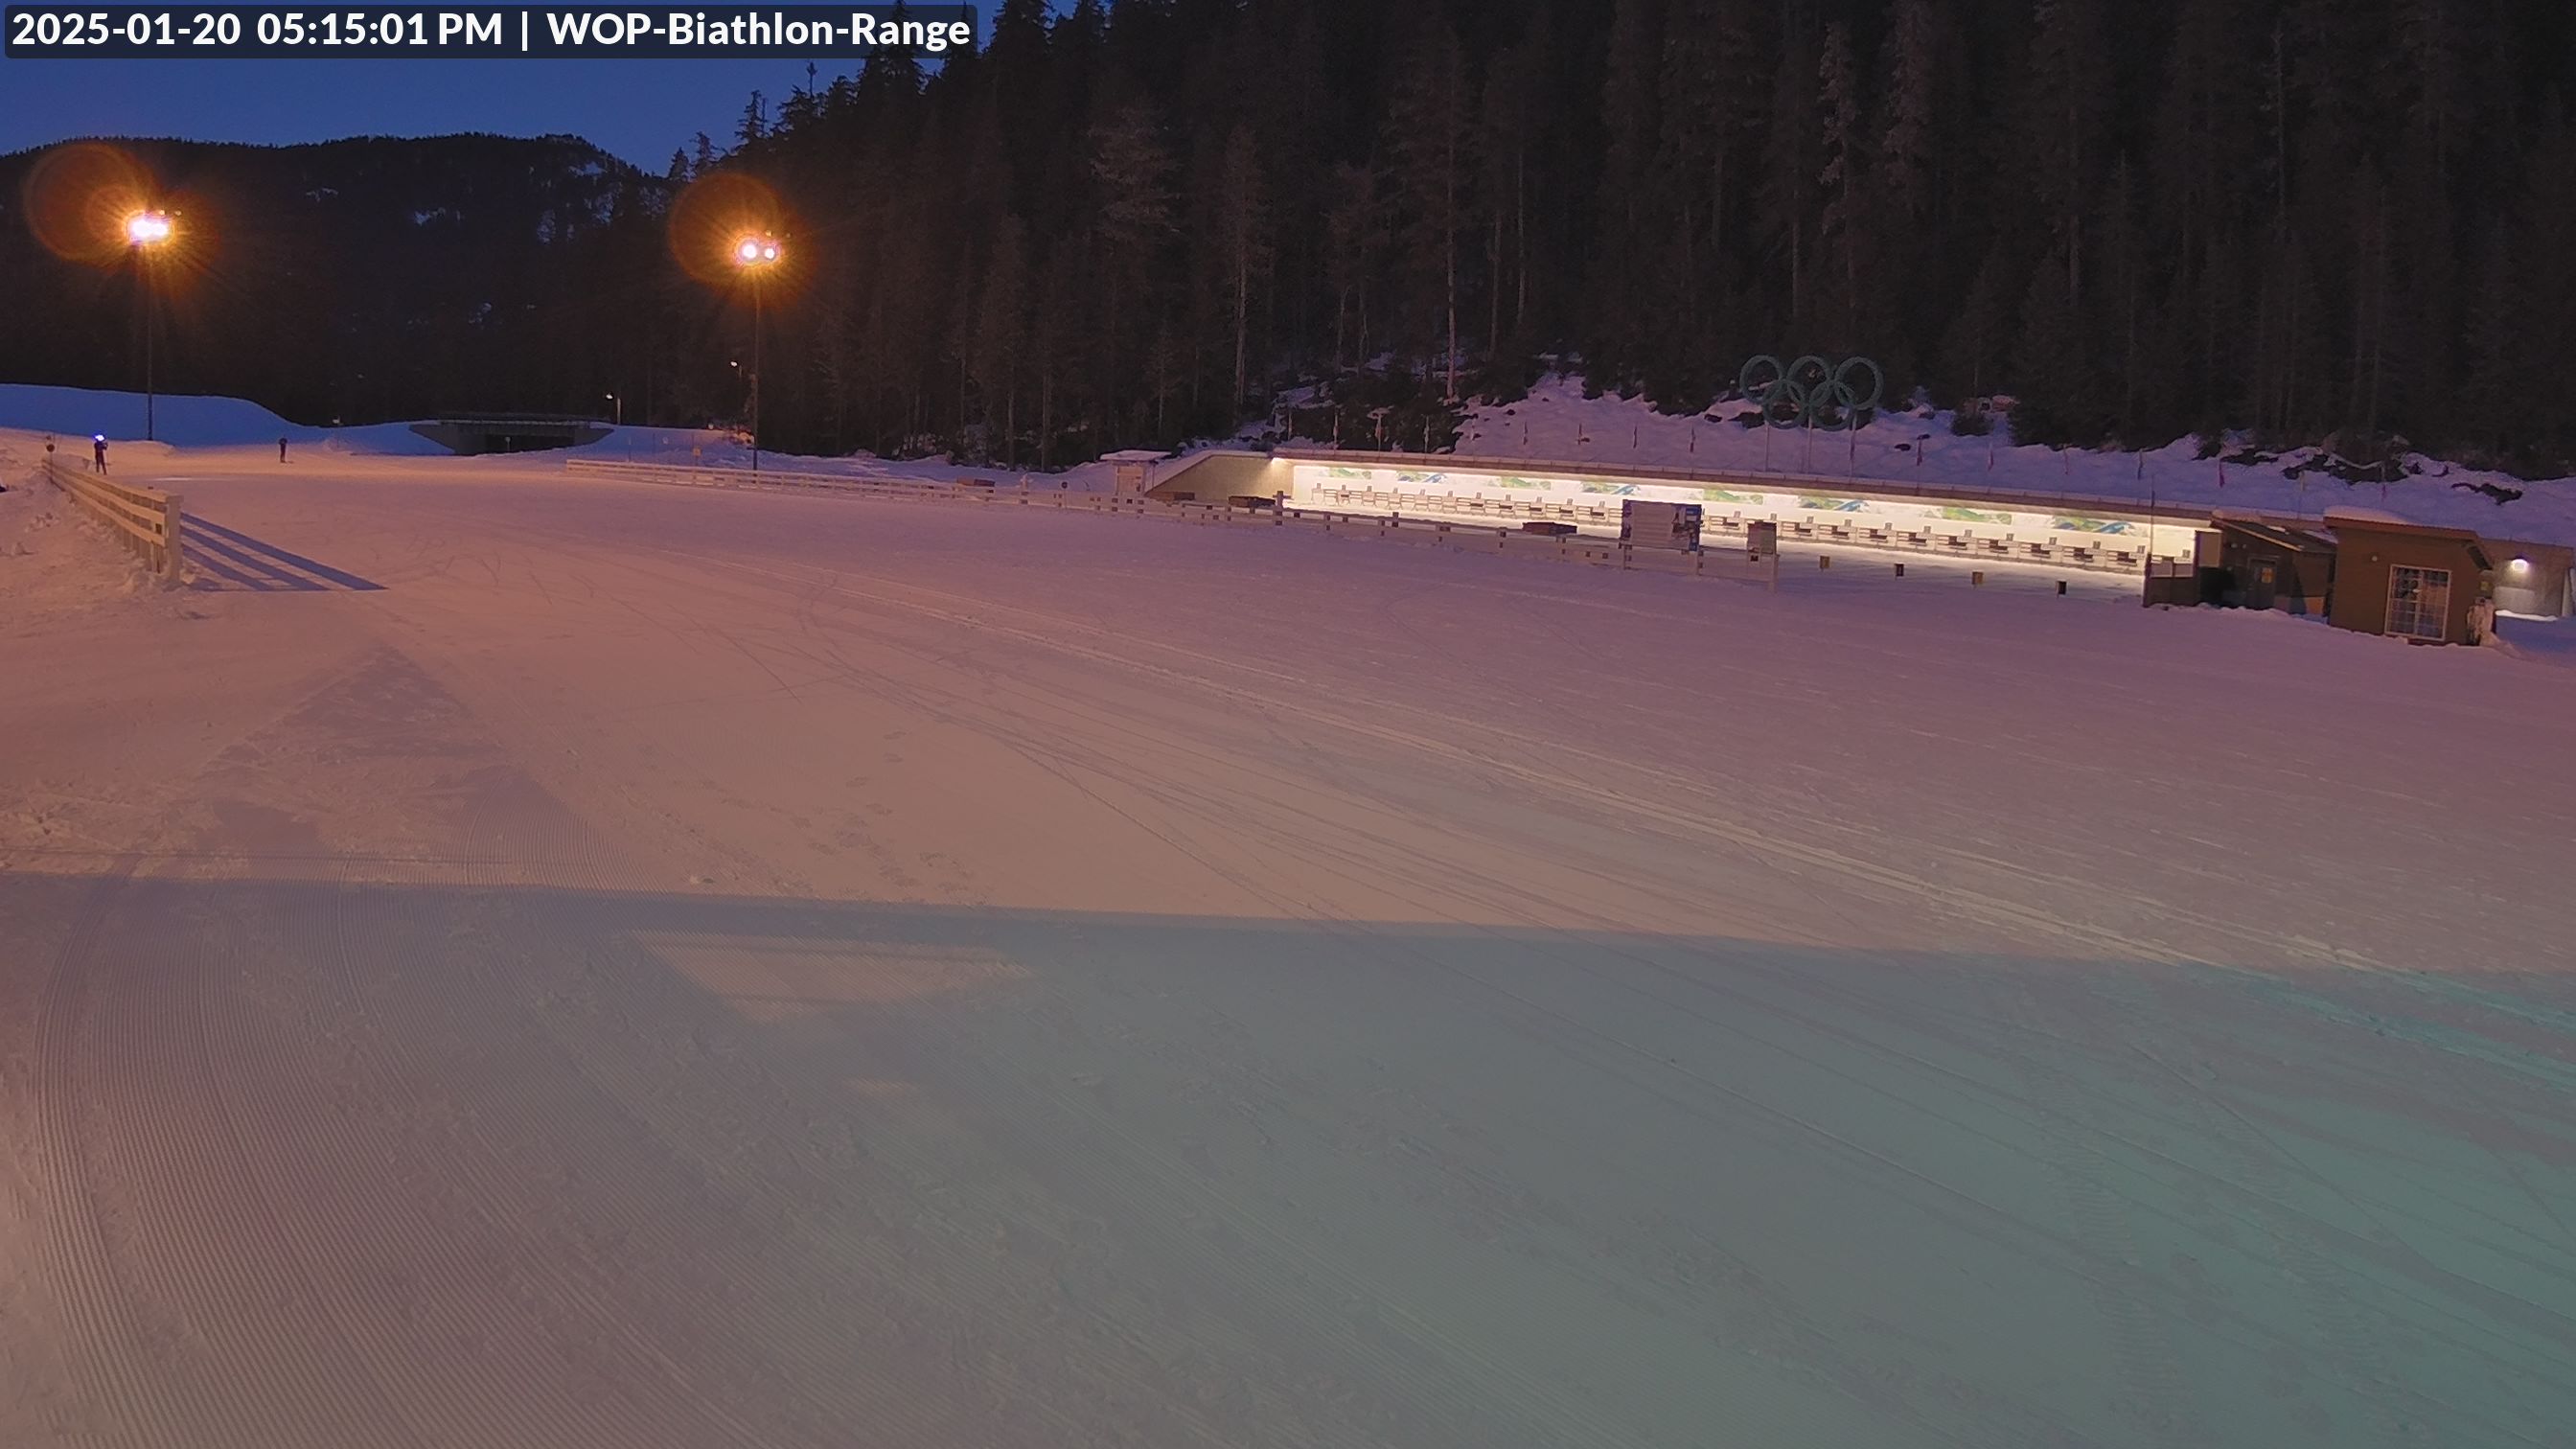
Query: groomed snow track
{"points": [[639, 966]]}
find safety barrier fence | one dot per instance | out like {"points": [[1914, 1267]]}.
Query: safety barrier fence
{"points": [[2110, 553], [2172, 513], [146, 519], [1395, 526], [1510, 542]]}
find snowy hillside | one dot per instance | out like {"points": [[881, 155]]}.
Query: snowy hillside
{"points": [[1557, 423], [226, 422], [188, 421]]}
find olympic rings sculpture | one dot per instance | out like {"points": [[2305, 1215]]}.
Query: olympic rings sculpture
{"points": [[1812, 392]]}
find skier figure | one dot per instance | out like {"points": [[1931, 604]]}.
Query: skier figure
{"points": [[98, 452], [281, 450]]}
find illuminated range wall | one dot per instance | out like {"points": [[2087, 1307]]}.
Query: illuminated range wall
{"points": [[1315, 483]]}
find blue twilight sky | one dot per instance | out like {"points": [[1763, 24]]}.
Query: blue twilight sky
{"points": [[641, 110]]}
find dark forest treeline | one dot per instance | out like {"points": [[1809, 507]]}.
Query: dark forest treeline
{"points": [[2141, 217], [1141, 221]]}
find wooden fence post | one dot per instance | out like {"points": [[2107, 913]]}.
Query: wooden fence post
{"points": [[170, 515]]}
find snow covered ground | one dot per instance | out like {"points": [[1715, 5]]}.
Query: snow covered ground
{"points": [[522, 958], [220, 423], [1557, 423]]}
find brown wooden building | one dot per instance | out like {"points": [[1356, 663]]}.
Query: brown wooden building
{"points": [[2268, 564], [2410, 580]]}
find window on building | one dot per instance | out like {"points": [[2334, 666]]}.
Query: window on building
{"points": [[2419, 601]]}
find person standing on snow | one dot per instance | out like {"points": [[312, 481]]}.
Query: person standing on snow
{"points": [[281, 450], [98, 452]]}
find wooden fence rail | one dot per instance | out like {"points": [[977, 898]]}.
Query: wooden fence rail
{"points": [[147, 519]]}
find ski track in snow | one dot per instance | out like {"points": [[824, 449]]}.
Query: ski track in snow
{"points": [[673, 968]]}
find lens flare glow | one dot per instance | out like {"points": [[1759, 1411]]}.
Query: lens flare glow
{"points": [[80, 197], [727, 228], [146, 228]]}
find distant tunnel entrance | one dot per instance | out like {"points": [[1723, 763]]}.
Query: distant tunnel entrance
{"points": [[511, 433]]}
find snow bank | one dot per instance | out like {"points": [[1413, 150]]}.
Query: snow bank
{"points": [[54, 560], [392, 440], [2347, 513], [190, 421], [224, 422], [186, 421], [719, 448], [667, 446], [1557, 423]]}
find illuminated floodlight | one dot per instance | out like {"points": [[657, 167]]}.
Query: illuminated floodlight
{"points": [[148, 228], [2519, 566], [756, 251]]}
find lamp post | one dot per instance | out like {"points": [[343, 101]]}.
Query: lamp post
{"points": [[145, 233], [755, 255]]}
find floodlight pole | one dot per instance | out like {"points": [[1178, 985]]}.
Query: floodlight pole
{"points": [[143, 280], [145, 233], [755, 254]]}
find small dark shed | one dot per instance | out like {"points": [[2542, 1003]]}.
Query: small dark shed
{"points": [[2273, 565], [2410, 580]]}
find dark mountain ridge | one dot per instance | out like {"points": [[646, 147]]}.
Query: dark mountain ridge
{"points": [[357, 280]]}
